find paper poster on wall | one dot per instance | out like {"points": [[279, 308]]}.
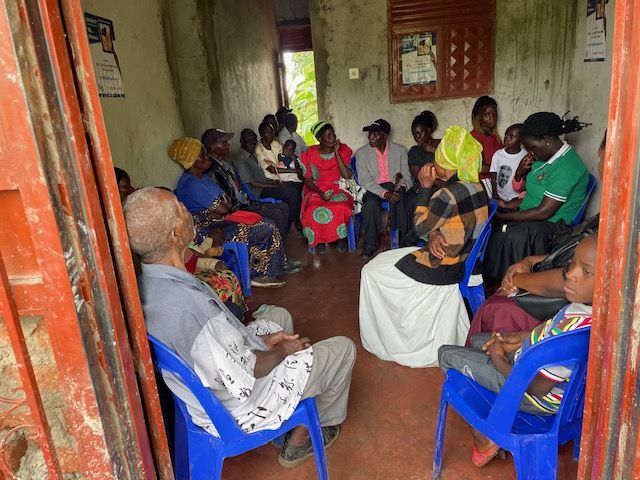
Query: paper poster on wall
{"points": [[418, 57], [102, 43], [595, 42]]}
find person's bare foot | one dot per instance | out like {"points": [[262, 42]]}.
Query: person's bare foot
{"points": [[481, 442], [484, 450]]}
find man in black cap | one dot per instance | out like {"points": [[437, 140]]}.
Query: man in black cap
{"points": [[216, 144], [383, 170]]}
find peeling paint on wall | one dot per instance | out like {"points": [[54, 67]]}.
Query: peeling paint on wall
{"points": [[534, 48], [539, 48]]}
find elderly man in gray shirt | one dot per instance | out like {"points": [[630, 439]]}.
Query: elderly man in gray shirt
{"points": [[383, 170], [252, 174], [259, 371]]}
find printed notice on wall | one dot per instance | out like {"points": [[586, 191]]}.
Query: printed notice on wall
{"points": [[102, 43], [595, 42], [418, 58]]}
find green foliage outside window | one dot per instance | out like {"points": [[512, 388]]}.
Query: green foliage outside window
{"points": [[304, 100]]}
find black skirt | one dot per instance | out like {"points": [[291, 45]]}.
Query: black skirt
{"points": [[510, 242]]}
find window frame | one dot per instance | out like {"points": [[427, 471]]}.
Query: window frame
{"points": [[425, 20]]}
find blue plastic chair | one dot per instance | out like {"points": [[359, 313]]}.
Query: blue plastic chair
{"points": [[475, 294], [533, 440], [580, 215], [199, 455], [394, 235], [236, 256], [247, 190], [354, 169]]}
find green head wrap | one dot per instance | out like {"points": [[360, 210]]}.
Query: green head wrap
{"points": [[460, 152], [319, 128]]}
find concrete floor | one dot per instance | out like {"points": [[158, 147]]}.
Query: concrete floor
{"points": [[389, 431]]}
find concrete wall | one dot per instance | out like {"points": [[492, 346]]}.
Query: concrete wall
{"points": [[222, 62], [288, 10], [588, 96], [534, 51], [192, 64], [194, 71], [187, 65], [140, 125], [247, 45]]}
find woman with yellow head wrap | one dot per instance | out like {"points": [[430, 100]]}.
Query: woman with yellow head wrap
{"points": [[205, 200], [186, 151], [410, 303], [460, 152]]}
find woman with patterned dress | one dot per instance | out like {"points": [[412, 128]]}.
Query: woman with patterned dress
{"points": [[206, 202], [326, 209], [215, 273]]}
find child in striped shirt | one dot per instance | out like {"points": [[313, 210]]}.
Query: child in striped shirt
{"points": [[492, 356]]}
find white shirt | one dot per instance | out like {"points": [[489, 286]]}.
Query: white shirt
{"points": [[267, 158], [225, 364], [301, 145], [504, 165]]}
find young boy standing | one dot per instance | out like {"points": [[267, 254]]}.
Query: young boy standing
{"points": [[504, 164], [492, 356]]}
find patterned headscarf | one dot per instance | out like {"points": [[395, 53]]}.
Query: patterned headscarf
{"points": [[319, 128], [185, 151], [460, 152]]}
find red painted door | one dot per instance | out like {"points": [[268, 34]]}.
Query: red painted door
{"points": [[610, 442], [77, 370]]}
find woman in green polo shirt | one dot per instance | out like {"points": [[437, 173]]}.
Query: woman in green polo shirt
{"points": [[555, 180]]}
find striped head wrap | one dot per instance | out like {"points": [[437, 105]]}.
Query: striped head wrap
{"points": [[319, 128]]}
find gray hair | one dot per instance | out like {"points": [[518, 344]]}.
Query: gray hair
{"points": [[150, 221]]}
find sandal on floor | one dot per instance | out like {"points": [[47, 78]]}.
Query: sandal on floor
{"points": [[480, 459]]}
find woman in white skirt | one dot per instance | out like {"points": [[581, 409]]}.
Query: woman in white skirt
{"points": [[410, 303]]}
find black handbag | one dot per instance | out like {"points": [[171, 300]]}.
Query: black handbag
{"points": [[564, 246], [542, 308]]}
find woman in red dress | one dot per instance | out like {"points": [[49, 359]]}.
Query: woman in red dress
{"points": [[326, 209], [484, 117]]}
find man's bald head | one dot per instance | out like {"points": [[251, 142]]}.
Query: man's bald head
{"points": [[152, 214]]}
